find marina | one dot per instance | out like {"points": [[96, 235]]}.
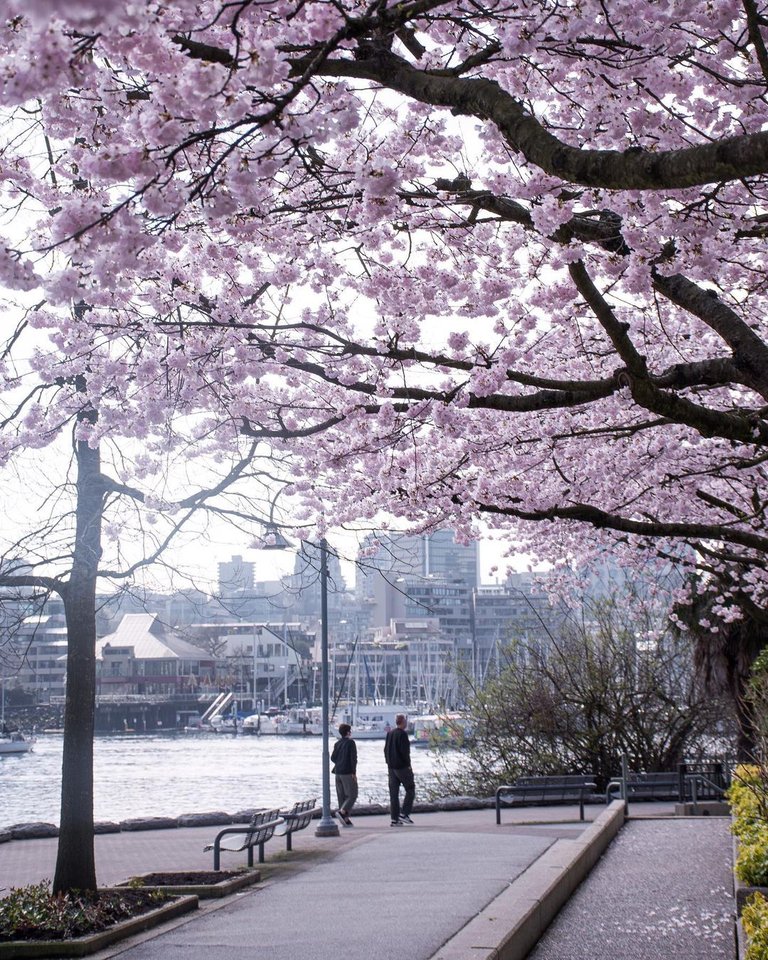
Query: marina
{"points": [[170, 774]]}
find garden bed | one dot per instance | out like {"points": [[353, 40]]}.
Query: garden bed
{"points": [[44, 926], [205, 884]]}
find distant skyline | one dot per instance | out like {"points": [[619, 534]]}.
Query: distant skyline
{"points": [[271, 565]]}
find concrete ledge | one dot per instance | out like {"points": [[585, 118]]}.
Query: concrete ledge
{"points": [[704, 808], [741, 940], [509, 927], [203, 891]]}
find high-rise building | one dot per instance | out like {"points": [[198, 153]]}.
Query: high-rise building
{"points": [[392, 562], [442, 556], [517, 610], [235, 575]]}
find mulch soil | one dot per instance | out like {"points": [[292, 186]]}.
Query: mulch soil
{"points": [[190, 878]]}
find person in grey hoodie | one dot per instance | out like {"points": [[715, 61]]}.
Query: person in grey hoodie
{"points": [[397, 753], [344, 759]]}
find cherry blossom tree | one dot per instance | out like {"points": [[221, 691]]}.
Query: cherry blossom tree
{"points": [[104, 505], [461, 261]]}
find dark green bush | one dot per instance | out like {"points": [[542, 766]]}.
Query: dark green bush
{"points": [[34, 913]]}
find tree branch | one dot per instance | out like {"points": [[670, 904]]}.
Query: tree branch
{"points": [[728, 159]]}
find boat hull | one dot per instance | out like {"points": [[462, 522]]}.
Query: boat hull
{"points": [[15, 746]]}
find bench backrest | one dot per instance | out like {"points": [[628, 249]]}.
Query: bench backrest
{"points": [[261, 827], [550, 790], [653, 778], [300, 815], [570, 780]]}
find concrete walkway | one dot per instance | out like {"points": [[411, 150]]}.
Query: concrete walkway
{"points": [[446, 887], [663, 889]]}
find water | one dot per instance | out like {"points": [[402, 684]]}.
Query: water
{"points": [[173, 774]]}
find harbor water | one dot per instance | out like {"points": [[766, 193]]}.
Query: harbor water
{"points": [[173, 774]]}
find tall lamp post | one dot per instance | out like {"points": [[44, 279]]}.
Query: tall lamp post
{"points": [[327, 827]]}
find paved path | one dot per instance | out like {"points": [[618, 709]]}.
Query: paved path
{"points": [[393, 896], [663, 889]]}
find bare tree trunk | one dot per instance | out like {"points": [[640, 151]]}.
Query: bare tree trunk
{"points": [[75, 863]]}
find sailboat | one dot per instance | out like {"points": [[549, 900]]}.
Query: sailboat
{"points": [[14, 742]]}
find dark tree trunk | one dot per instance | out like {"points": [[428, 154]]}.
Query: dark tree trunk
{"points": [[75, 863], [744, 641], [725, 659]]}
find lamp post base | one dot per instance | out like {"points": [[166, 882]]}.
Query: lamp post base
{"points": [[327, 827]]}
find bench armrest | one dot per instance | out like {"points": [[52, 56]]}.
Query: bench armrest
{"points": [[261, 833]]}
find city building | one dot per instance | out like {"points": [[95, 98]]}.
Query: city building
{"points": [[277, 655], [517, 610], [143, 657], [408, 662], [236, 575], [37, 659], [395, 572]]}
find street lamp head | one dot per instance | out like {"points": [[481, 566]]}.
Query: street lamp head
{"points": [[273, 538]]}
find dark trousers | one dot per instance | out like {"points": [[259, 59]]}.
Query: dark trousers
{"points": [[346, 791], [403, 776]]}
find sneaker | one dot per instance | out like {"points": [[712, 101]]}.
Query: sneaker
{"points": [[396, 823], [345, 819], [404, 818]]}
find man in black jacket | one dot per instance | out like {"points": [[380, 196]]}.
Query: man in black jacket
{"points": [[344, 759], [397, 753]]}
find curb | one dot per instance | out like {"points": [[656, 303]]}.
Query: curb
{"points": [[203, 891], [509, 926]]}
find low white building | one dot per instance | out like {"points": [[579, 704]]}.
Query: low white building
{"points": [[143, 657], [36, 658]]}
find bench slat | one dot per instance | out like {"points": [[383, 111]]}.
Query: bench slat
{"points": [[298, 817], [566, 789]]}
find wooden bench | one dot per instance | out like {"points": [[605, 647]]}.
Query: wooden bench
{"points": [[261, 828], [525, 791], [296, 818]]}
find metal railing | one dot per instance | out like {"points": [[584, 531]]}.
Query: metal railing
{"points": [[692, 781]]}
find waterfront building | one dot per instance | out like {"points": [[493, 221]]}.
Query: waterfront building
{"points": [[143, 657], [277, 655], [409, 661], [517, 610], [36, 661]]}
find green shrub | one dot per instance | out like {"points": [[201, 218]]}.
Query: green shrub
{"points": [[754, 918], [748, 797], [752, 862], [34, 913]]}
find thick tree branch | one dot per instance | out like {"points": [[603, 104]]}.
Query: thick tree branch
{"points": [[747, 428], [49, 584], [728, 159], [750, 353], [604, 520]]}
